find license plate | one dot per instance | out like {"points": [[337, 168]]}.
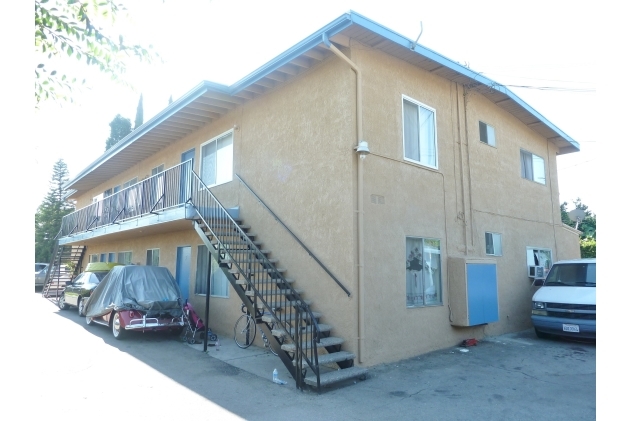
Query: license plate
{"points": [[570, 328]]}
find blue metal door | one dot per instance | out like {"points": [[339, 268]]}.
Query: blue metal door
{"points": [[482, 293], [183, 270]]}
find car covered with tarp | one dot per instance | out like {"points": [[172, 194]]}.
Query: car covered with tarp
{"points": [[140, 298]]}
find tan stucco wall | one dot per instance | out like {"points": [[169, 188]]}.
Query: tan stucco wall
{"points": [[293, 146]]}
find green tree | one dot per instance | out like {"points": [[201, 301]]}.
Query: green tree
{"points": [[50, 213], [565, 218], [72, 29], [139, 114], [119, 128], [587, 227]]}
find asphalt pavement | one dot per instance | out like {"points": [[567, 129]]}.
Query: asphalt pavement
{"points": [[81, 371]]}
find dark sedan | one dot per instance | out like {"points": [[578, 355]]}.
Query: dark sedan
{"points": [[76, 293]]}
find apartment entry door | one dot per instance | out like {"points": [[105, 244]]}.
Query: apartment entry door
{"points": [[185, 175], [183, 270]]}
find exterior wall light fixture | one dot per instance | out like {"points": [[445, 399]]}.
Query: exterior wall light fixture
{"points": [[362, 149]]}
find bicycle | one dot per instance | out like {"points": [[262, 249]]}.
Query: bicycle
{"points": [[245, 331]]}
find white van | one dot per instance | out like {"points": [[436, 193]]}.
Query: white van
{"points": [[565, 305]]}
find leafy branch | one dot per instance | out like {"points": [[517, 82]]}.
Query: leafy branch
{"points": [[68, 28]]}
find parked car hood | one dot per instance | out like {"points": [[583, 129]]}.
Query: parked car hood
{"points": [[150, 289], [567, 295]]}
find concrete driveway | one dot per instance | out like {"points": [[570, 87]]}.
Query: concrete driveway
{"points": [[82, 369]]}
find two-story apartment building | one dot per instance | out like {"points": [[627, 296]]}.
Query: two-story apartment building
{"points": [[395, 197]]}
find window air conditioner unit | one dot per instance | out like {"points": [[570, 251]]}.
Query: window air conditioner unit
{"points": [[536, 272]]}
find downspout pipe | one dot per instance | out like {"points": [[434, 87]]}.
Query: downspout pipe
{"points": [[360, 197]]}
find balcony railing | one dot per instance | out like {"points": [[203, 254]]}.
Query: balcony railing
{"points": [[168, 189]]}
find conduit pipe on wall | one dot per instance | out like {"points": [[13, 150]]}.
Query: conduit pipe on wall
{"points": [[360, 197]]}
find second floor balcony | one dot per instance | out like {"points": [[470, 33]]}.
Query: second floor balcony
{"points": [[155, 200]]}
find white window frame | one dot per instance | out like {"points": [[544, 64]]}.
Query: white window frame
{"points": [[157, 170], [130, 182], [153, 253], [201, 159], [490, 134], [103, 257], [535, 177], [426, 284], [496, 239], [109, 257], [94, 258], [530, 258], [433, 111], [118, 255]]}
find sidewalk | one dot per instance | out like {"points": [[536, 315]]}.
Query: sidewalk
{"points": [[254, 360]]}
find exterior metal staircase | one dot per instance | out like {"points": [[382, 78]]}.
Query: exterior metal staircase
{"points": [[304, 345], [59, 273]]}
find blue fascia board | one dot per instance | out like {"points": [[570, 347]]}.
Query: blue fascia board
{"points": [[457, 67], [336, 26], [158, 119], [297, 50]]}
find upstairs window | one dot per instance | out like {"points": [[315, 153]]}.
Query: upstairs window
{"points": [[487, 134], [130, 182], [419, 133], [493, 243], [157, 170], [216, 157], [533, 167]]}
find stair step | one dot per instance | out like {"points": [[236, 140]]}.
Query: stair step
{"points": [[237, 245], [270, 281], [262, 261], [269, 319], [224, 233], [329, 341], [334, 357], [285, 292], [279, 333], [287, 303], [336, 376]]}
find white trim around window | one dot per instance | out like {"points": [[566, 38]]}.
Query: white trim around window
{"points": [[487, 133], [216, 159], [157, 170], [153, 257], [420, 144], [493, 242], [533, 167]]}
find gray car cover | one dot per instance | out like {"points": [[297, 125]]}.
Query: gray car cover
{"points": [[150, 289]]}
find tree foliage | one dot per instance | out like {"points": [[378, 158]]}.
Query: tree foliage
{"points": [[71, 29], [139, 114], [587, 227], [50, 213], [119, 128]]}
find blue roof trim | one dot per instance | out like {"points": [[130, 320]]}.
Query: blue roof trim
{"points": [[173, 108], [297, 50], [426, 52], [320, 36]]}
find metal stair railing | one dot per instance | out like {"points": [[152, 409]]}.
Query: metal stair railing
{"points": [[268, 286], [277, 219], [165, 190]]}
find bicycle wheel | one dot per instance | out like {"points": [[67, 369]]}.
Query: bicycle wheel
{"points": [[244, 331]]}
